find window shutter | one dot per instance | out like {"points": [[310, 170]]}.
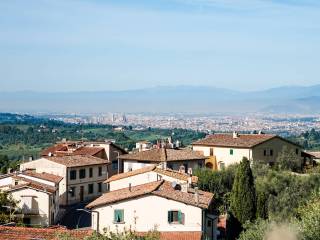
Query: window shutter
{"points": [[180, 217], [121, 215], [115, 215], [169, 217]]}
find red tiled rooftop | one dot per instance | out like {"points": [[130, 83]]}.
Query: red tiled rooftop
{"points": [[78, 160], [45, 176], [163, 154], [159, 188], [88, 151], [24, 233], [227, 140]]}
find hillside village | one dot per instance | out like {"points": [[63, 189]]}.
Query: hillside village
{"points": [[152, 188]]}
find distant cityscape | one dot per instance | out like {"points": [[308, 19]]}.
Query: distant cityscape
{"points": [[273, 123]]}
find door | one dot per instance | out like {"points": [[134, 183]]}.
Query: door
{"points": [[81, 193]]}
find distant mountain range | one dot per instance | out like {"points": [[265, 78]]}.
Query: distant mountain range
{"points": [[189, 99]]}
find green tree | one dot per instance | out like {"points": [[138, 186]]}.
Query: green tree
{"points": [[7, 206], [310, 219], [289, 160], [243, 194]]}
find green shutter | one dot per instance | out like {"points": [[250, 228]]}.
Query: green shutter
{"points": [[118, 215], [122, 215], [169, 216], [180, 217]]}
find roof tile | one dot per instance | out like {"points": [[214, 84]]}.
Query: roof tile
{"points": [[164, 154]]}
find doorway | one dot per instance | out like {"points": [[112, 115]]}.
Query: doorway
{"points": [[81, 193]]}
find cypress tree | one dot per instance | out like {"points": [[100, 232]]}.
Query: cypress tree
{"points": [[243, 194]]}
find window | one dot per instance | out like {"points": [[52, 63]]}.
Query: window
{"points": [[222, 165], [90, 188], [119, 216], [297, 151], [268, 152], [72, 191], [90, 172], [175, 217], [73, 174], [211, 151], [231, 151], [99, 187], [114, 165], [82, 173]]}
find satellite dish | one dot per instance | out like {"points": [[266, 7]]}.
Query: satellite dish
{"points": [[174, 184]]}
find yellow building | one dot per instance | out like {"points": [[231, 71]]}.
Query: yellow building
{"points": [[226, 149]]}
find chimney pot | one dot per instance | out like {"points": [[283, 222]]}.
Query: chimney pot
{"points": [[235, 135]]}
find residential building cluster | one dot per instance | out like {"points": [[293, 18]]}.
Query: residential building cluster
{"points": [[152, 188]]}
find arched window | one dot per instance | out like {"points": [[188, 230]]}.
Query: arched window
{"points": [[209, 165]]}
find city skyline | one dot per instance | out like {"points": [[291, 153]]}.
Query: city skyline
{"points": [[112, 45]]}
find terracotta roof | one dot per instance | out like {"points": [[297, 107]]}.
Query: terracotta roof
{"points": [[158, 188], [24, 233], [168, 172], [178, 235], [176, 174], [88, 151], [166, 190], [227, 140], [53, 149], [77, 160], [163, 154], [125, 193], [130, 174], [314, 154], [45, 176], [27, 183]]}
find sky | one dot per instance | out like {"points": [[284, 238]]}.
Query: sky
{"points": [[90, 45]]}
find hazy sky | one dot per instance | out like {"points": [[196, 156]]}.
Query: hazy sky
{"points": [[65, 45]]}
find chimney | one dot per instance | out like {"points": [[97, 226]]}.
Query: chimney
{"points": [[49, 154], [196, 195], [130, 187], [30, 158], [235, 134]]}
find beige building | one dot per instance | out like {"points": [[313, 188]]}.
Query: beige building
{"points": [[106, 150], [226, 149], [83, 176], [177, 159], [37, 195], [157, 205]]}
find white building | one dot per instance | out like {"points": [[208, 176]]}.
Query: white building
{"points": [[83, 176], [158, 205], [177, 159], [37, 195], [149, 174], [225, 149], [143, 146]]}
